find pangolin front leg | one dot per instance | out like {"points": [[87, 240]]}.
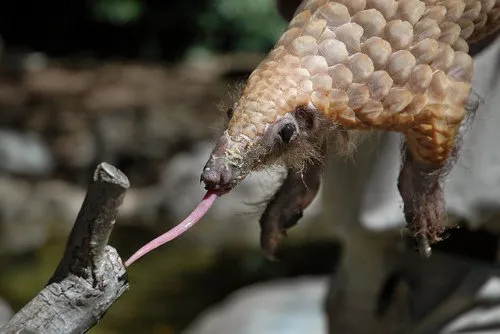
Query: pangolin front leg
{"points": [[390, 65], [287, 205], [428, 154], [421, 187]]}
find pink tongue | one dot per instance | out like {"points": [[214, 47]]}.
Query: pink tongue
{"points": [[178, 230]]}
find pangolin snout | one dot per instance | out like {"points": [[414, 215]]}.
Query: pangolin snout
{"points": [[227, 165], [218, 175]]}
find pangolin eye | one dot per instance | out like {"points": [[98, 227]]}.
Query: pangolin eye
{"points": [[287, 132], [230, 112]]}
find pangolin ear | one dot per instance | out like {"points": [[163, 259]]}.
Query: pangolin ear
{"points": [[306, 118]]}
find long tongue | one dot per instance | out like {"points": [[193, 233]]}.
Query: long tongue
{"points": [[178, 230]]}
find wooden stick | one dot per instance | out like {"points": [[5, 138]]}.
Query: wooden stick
{"points": [[91, 275]]}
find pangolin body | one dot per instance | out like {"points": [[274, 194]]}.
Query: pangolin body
{"points": [[373, 64], [348, 65], [354, 65]]}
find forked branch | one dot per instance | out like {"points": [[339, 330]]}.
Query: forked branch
{"points": [[90, 275]]}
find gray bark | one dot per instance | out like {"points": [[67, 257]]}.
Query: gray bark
{"points": [[91, 275]]}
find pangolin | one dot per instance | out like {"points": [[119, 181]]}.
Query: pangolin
{"points": [[347, 67]]}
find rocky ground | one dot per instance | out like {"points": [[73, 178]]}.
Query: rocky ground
{"points": [[156, 122]]}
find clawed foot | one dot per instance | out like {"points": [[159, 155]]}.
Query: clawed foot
{"points": [[424, 204]]}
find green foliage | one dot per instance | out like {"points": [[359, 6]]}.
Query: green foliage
{"points": [[200, 26], [243, 25], [118, 11]]}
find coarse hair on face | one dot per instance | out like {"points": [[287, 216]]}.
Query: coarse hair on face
{"points": [[306, 127], [295, 139], [227, 106]]}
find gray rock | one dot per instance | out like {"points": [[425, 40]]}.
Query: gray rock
{"points": [[24, 153], [27, 211], [5, 312], [484, 315], [61, 200], [292, 306], [114, 132], [35, 61], [19, 233]]}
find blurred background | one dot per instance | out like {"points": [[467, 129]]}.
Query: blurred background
{"points": [[144, 85], [141, 85]]}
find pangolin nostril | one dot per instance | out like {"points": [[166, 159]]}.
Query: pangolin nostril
{"points": [[211, 178], [217, 176]]}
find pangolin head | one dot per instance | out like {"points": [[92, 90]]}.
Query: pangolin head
{"points": [[272, 123]]}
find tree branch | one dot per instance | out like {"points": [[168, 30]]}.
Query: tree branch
{"points": [[91, 275]]}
